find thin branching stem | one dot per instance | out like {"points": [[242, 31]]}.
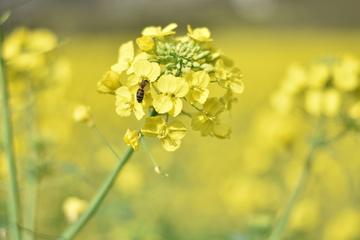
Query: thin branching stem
{"points": [[13, 196]]}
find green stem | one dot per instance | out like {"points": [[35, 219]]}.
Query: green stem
{"points": [[214, 81], [101, 193], [96, 200], [187, 114], [316, 142], [278, 230], [13, 198]]}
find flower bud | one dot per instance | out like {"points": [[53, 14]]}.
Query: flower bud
{"points": [[202, 55], [209, 69], [82, 113], [132, 139], [169, 58], [145, 43], [160, 52], [168, 46], [175, 72], [169, 66], [196, 64], [158, 170], [161, 45], [153, 60], [109, 82]]}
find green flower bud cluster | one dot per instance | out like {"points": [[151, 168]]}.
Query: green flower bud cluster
{"points": [[179, 57]]}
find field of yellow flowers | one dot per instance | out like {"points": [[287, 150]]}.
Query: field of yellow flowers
{"points": [[297, 116]]}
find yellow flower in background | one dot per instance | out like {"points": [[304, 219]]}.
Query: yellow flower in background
{"points": [[327, 102], [346, 74], [200, 34], [305, 215], [157, 32], [229, 78], [318, 75], [109, 82], [206, 121], [354, 111], [143, 69], [169, 134], [172, 89], [126, 103], [126, 57], [13, 44], [131, 138], [198, 83], [145, 43], [82, 113], [344, 225], [73, 207], [41, 40]]}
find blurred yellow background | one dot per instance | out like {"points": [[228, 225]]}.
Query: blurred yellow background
{"points": [[218, 189]]}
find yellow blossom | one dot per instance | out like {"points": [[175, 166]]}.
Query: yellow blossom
{"points": [[132, 139], [145, 43], [172, 89], [198, 82], [73, 207], [206, 121], [169, 134], [318, 75], [200, 34], [346, 74], [82, 113], [157, 32], [143, 69], [354, 111], [305, 216], [13, 44], [343, 226], [126, 103], [126, 57], [109, 82], [326, 102], [229, 78], [41, 40]]}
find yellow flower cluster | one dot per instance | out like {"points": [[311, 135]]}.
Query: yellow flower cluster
{"points": [[31, 60], [164, 75], [327, 87]]}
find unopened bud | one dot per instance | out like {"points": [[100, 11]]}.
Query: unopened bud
{"points": [[109, 82], [189, 64], [168, 46], [169, 58], [175, 72], [169, 66], [202, 55], [209, 69], [159, 51], [145, 43], [205, 65], [82, 113], [161, 45], [153, 60], [191, 44], [196, 64]]}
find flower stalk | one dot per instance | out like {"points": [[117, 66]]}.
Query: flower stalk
{"points": [[13, 196]]}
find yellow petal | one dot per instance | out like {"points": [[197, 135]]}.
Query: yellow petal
{"points": [[138, 110], [206, 128], [312, 104], [168, 29], [331, 102], [182, 88], [221, 130], [145, 43], [177, 107], [123, 93], [220, 69], [168, 83], [126, 50], [151, 31], [153, 126], [204, 79], [170, 144], [201, 96], [213, 106], [236, 85], [132, 139], [155, 72], [162, 103], [142, 67], [138, 57], [133, 82], [177, 130]]}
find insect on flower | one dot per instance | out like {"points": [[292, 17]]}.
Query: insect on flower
{"points": [[143, 88]]}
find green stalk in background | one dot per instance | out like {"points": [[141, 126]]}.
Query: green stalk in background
{"points": [[13, 198]]}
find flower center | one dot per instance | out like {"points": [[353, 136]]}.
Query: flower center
{"points": [[195, 88]]}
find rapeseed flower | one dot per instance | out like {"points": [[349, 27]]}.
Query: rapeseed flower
{"points": [[206, 121], [170, 134], [200, 34], [172, 89], [73, 207], [158, 32], [322, 102], [229, 78], [82, 113], [143, 69], [126, 103], [198, 83], [131, 138]]}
